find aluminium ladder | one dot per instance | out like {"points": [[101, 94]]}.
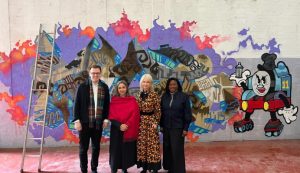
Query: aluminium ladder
{"points": [[40, 88]]}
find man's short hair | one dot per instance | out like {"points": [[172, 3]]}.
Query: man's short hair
{"points": [[96, 66]]}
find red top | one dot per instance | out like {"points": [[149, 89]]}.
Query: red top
{"points": [[126, 111]]}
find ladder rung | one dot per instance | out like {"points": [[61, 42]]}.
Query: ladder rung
{"points": [[47, 32], [39, 121], [35, 138], [43, 50], [38, 105], [39, 89], [44, 69], [32, 155], [44, 54], [44, 60], [43, 74]]}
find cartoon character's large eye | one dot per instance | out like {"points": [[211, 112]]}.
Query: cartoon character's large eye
{"points": [[263, 80], [258, 80]]}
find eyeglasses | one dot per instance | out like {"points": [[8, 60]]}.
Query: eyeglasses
{"points": [[96, 74]]}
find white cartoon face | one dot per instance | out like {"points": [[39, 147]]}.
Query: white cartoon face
{"points": [[261, 82]]}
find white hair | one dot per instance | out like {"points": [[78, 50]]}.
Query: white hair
{"points": [[146, 77]]}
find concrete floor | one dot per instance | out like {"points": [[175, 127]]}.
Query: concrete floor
{"points": [[206, 157]]}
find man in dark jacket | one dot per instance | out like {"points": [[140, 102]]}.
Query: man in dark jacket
{"points": [[91, 112], [176, 116]]}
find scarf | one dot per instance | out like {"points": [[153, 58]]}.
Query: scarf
{"points": [[144, 95], [126, 111], [96, 119]]}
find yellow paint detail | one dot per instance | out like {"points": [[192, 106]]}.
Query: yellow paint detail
{"points": [[244, 105], [285, 84], [266, 106]]}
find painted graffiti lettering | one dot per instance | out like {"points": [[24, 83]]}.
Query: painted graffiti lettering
{"points": [[178, 54], [52, 118], [147, 62], [166, 73]]}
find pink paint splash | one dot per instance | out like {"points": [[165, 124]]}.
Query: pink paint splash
{"points": [[104, 140], [185, 30], [236, 117], [67, 30], [6, 64], [206, 42], [124, 25], [89, 32], [190, 136], [219, 40], [237, 92], [69, 136], [20, 54], [17, 114]]}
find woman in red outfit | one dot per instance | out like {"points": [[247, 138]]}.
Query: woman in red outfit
{"points": [[124, 116]]}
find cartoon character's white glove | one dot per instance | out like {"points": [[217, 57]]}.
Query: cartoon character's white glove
{"points": [[289, 114], [242, 79]]}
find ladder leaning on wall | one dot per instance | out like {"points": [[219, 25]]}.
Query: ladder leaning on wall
{"points": [[39, 91]]}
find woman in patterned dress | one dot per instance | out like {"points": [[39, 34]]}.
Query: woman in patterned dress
{"points": [[148, 149]]}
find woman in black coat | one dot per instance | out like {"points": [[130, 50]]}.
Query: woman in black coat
{"points": [[175, 119]]}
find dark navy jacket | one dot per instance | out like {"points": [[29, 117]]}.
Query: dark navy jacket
{"points": [[179, 114], [82, 102]]}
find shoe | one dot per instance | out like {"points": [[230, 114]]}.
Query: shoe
{"points": [[243, 125], [273, 128], [124, 171]]}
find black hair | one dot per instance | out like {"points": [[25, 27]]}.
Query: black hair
{"points": [[168, 83]]}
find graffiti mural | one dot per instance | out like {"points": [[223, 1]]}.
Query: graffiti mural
{"points": [[269, 89], [125, 51]]}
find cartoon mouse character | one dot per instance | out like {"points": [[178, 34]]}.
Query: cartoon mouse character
{"points": [[269, 89]]}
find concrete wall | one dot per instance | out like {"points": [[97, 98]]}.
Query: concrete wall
{"points": [[217, 34]]}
